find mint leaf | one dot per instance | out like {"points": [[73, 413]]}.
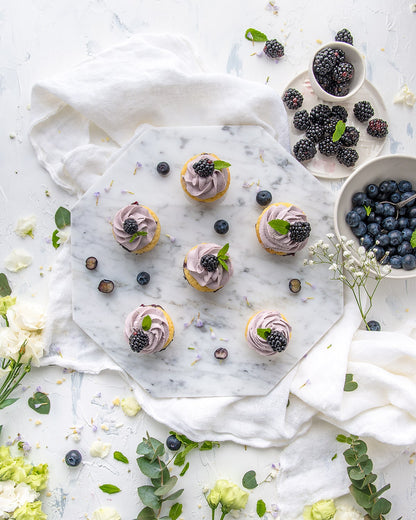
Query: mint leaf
{"points": [[55, 239], [137, 234], [4, 286], [119, 456], [40, 403], [350, 385], [255, 36], [185, 469], [413, 239], [110, 489], [249, 480], [367, 210], [219, 165], [175, 511], [279, 225], [261, 508], [223, 257], [224, 265], [146, 323], [62, 217], [264, 333], [339, 131]]}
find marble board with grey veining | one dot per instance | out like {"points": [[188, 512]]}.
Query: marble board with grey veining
{"points": [[203, 321]]}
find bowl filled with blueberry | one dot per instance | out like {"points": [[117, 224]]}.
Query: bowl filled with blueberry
{"points": [[377, 208]]}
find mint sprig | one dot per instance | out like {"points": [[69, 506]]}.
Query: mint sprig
{"points": [[146, 323], [137, 234], [367, 210], [223, 257], [279, 225], [413, 239], [339, 131], [264, 333], [219, 165], [255, 36]]}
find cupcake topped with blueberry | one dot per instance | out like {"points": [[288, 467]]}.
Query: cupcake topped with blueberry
{"points": [[207, 267], [268, 332], [205, 177], [148, 329], [136, 228], [283, 229]]}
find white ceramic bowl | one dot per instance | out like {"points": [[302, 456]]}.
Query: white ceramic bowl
{"points": [[396, 167], [353, 56]]}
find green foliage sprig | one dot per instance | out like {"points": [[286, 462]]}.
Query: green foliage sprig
{"points": [[62, 220], [360, 472]]}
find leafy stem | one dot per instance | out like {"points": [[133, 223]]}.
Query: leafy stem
{"points": [[17, 372]]}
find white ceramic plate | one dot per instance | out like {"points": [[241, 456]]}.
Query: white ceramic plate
{"points": [[368, 147]]}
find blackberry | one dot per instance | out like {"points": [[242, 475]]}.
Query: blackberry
{"points": [[350, 136], [343, 72], [339, 90], [377, 128], [304, 150], [209, 262], [324, 62], [301, 120], [292, 98], [315, 133], [328, 147], [340, 113], [277, 340], [363, 111], [339, 55], [345, 36], [347, 156], [320, 113], [138, 341], [130, 226], [299, 231], [330, 126], [273, 49], [204, 167], [324, 80]]}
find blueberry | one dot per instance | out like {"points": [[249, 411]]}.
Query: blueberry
{"points": [[374, 228], [404, 249], [372, 191], [91, 263], [361, 211], [221, 227], [405, 196], [389, 210], [379, 208], [378, 219], [405, 186], [378, 252], [371, 218], [411, 212], [403, 211], [403, 223], [396, 261], [352, 218], [389, 223], [263, 197], [163, 168], [395, 197], [409, 262], [173, 443], [392, 186], [396, 237], [73, 458], [383, 239], [358, 198], [373, 325], [295, 285], [359, 230], [221, 353], [143, 278], [407, 234], [386, 187], [367, 241], [412, 223], [106, 286]]}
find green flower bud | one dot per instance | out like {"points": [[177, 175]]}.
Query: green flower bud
{"points": [[231, 496], [213, 498], [321, 510]]}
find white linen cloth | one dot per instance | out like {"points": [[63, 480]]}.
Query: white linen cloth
{"points": [[158, 80]]}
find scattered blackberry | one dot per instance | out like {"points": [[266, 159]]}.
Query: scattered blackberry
{"points": [[138, 341], [328, 147], [363, 111], [340, 112], [315, 133], [130, 226], [377, 128], [345, 36], [277, 340], [320, 113], [350, 137], [324, 62], [163, 168], [209, 262], [204, 167], [301, 120], [292, 98], [343, 72], [347, 156], [339, 90], [299, 231], [273, 49], [304, 150]]}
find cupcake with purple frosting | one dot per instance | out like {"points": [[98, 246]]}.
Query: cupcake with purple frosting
{"points": [[205, 177], [283, 229], [268, 332], [207, 267], [148, 329]]}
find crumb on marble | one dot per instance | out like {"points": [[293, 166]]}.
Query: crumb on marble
{"points": [[38, 422], [105, 427], [12, 135], [116, 401], [319, 41]]}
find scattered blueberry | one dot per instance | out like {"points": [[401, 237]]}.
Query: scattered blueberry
{"points": [[91, 263], [143, 278], [373, 325], [263, 197], [163, 168], [106, 286], [73, 458], [221, 227], [173, 443], [294, 285], [221, 353]]}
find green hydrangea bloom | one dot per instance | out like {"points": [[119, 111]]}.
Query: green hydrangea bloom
{"points": [[12, 468], [30, 511], [5, 303], [38, 477]]}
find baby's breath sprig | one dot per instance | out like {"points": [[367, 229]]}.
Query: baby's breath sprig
{"points": [[352, 266]]}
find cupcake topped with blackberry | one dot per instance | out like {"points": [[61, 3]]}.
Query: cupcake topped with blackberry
{"points": [[136, 228], [283, 229], [148, 329], [268, 332], [207, 267], [205, 177]]}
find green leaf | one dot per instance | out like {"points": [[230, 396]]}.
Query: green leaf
{"points": [[148, 497], [350, 456], [264, 333], [343, 438], [381, 507], [4, 286], [367, 467], [249, 480], [261, 508], [224, 265], [355, 473], [376, 494], [180, 457], [367, 210], [173, 496], [145, 449], [361, 498], [175, 511], [255, 36], [163, 477], [110, 489], [334, 456], [339, 131], [183, 438], [279, 225], [413, 239], [40, 403], [147, 514], [119, 456], [348, 378], [146, 323], [148, 468], [62, 218], [137, 234], [1, 427], [208, 445], [55, 239], [8, 402], [166, 488], [360, 447], [219, 165], [350, 387], [185, 469]]}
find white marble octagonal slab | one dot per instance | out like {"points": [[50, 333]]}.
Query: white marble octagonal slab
{"points": [[188, 366]]}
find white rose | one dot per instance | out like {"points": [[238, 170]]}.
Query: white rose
{"points": [[26, 316], [25, 226], [105, 513], [347, 513], [18, 259], [64, 235], [12, 497], [33, 349], [11, 341]]}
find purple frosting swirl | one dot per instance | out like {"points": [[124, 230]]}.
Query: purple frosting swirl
{"points": [[212, 279], [145, 222], [204, 187], [270, 238], [159, 330], [266, 320]]}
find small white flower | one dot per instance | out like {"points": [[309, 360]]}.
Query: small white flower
{"points": [[305, 262], [64, 235], [347, 254], [343, 238], [331, 256], [361, 251], [320, 242], [359, 274], [333, 267], [325, 247], [344, 513], [18, 259], [25, 226], [311, 262], [349, 243], [330, 235], [337, 245], [100, 449], [342, 277]]}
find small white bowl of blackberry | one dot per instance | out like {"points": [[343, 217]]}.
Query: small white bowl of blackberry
{"points": [[377, 208]]}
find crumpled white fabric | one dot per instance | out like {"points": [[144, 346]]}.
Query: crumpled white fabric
{"points": [[81, 119]]}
